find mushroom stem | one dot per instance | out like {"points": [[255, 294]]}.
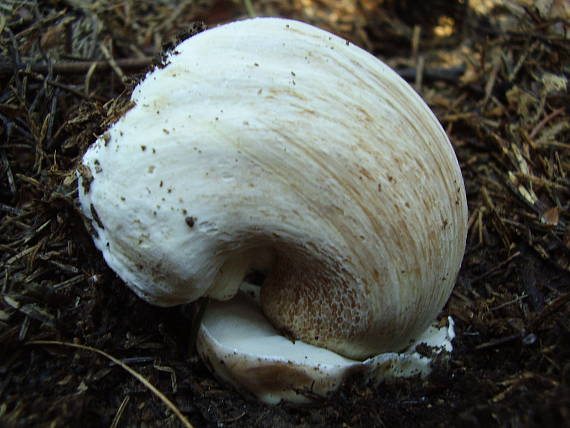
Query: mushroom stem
{"points": [[236, 267]]}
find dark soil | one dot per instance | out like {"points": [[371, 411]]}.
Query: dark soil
{"points": [[496, 77]]}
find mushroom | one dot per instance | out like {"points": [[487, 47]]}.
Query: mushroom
{"points": [[270, 145]]}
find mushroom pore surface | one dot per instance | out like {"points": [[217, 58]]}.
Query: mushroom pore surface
{"points": [[271, 144]]}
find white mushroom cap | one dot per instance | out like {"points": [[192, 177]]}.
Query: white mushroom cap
{"points": [[270, 143]]}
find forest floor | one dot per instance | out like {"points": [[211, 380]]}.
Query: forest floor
{"points": [[496, 75]]}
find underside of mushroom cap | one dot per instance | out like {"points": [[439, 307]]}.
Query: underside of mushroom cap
{"points": [[237, 342], [271, 143]]}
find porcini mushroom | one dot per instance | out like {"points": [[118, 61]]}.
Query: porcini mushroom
{"points": [[272, 145]]}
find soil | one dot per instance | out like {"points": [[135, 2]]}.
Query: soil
{"points": [[496, 75]]}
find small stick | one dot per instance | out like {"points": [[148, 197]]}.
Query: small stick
{"points": [[40, 77], [496, 268], [76, 67], [416, 42], [490, 85], [451, 74], [113, 63], [249, 8], [120, 412], [544, 121], [420, 73]]}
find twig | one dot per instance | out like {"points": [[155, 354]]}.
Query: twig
{"points": [[249, 8], [43, 23], [551, 309], [416, 42], [419, 73], [131, 371], [496, 268], [11, 210], [490, 85], [5, 163], [69, 282], [451, 74], [496, 219], [499, 342], [120, 412], [510, 302], [41, 78], [544, 121], [113, 63], [417, 59], [76, 67]]}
